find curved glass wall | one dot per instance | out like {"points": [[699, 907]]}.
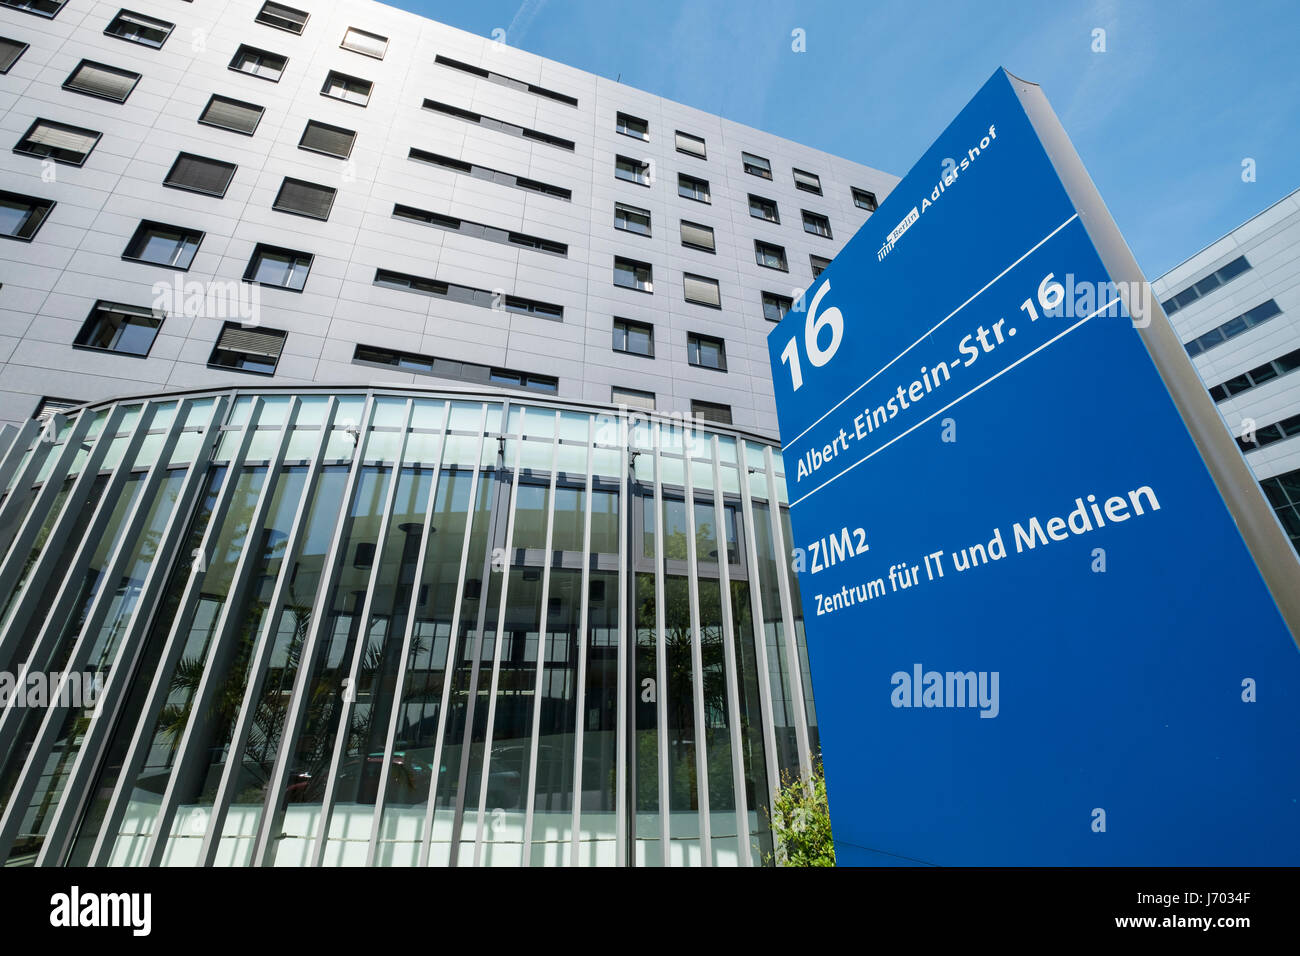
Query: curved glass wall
{"points": [[393, 627]]}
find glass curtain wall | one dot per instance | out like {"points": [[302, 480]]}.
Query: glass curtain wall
{"points": [[394, 628]]}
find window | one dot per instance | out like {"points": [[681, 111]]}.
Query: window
{"points": [[690, 187], [125, 329], [282, 268], [10, 51], [63, 144], [529, 380], [776, 306], [138, 28], [260, 63], [450, 368], [1211, 282], [761, 208], [504, 80], [697, 236], [635, 338], [41, 8], [818, 264], [467, 294], [817, 224], [304, 199], [106, 82], [711, 412], [200, 174], [543, 310], [478, 230], [702, 290], [1283, 493], [255, 349], [770, 256], [1256, 376], [1268, 434], [864, 199], [632, 397], [331, 140], [367, 44], [1233, 327], [234, 115], [808, 182], [691, 145], [282, 17], [163, 245], [705, 351], [490, 175], [756, 165], [632, 126], [501, 126], [631, 274], [632, 219], [632, 170], [351, 89], [21, 216]]}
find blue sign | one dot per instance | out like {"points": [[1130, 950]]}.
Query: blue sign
{"points": [[1036, 634]]}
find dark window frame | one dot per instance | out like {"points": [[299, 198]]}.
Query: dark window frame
{"points": [[234, 168], [108, 30], [263, 248], [628, 207], [864, 199], [814, 187], [711, 249], [261, 112], [104, 307], [637, 265], [18, 147], [22, 48], [694, 352], [343, 44], [815, 216], [760, 246], [762, 172], [245, 48], [68, 83], [325, 87], [331, 128], [761, 200], [778, 301], [621, 127], [302, 27], [34, 203], [639, 326], [713, 283], [275, 203], [683, 178], [224, 366], [138, 235]]}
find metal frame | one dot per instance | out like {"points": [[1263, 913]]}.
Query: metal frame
{"points": [[29, 513]]}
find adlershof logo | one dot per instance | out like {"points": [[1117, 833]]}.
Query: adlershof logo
{"points": [[75, 909]]}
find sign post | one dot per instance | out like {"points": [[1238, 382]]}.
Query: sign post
{"points": [[1050, 616]]}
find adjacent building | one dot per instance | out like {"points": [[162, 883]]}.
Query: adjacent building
{"points": [[390, 452], [1236, 307]]}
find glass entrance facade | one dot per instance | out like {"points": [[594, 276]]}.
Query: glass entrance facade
{"points": [[394, 626]]}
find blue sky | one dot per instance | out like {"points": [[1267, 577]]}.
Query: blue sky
{"points": [[1163, 119]]}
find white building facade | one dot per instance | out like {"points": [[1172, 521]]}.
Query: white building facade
{"points": [[1236, 307]]}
